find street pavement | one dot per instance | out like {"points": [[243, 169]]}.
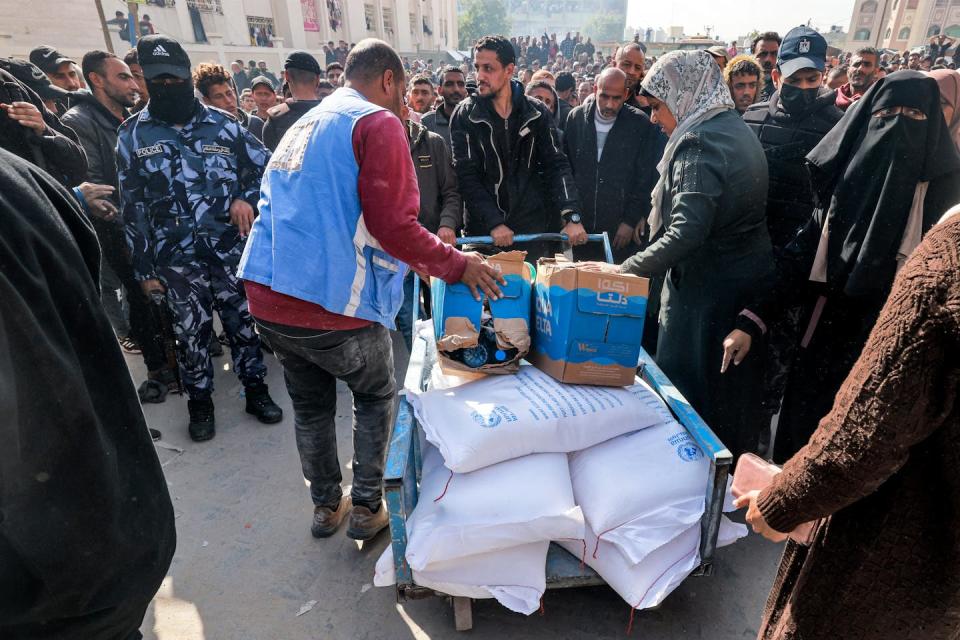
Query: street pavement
{"points": [[246, 564]]}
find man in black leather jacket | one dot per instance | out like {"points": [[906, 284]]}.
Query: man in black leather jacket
{"points": [[513, 175]]}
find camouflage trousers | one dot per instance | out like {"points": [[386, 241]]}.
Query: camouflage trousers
{"points": [[193, 292]]}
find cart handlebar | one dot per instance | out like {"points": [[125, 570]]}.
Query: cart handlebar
{"points": [[543, 237]]}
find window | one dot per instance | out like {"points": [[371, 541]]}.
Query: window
{"points": [[388, 20], [934, 30], [413, 26], [368, 15], [206, 6], [904, 34], [888, 33], [953, 31], [862, 34], [912, 4], [261, 31], [870, 6], [895, 4]]}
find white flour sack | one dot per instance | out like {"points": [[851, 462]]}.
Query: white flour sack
{"points": [[640, 490], [500, 418], [516, 577], [512, 503], [648, 583]]}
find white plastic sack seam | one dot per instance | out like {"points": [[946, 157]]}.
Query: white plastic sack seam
{"points": [[512, 503], [501, 418], [515, 577], [648, 583], [641, 490]]}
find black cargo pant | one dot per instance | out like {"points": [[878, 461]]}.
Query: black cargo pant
{"points": [[144, 323], [312, 362]]}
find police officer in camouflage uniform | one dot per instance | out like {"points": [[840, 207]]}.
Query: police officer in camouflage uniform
{"points": [[189, 181]]}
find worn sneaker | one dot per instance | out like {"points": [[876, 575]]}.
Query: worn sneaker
{"points": [[260, 404], [326, 521], [129, 345], [364, 523], [202, 426]]}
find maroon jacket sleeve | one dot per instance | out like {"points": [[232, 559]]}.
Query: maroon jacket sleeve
{"points": [[390, 199]]}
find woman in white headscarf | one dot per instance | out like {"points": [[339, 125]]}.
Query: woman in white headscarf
{"points": [[714, 248]]}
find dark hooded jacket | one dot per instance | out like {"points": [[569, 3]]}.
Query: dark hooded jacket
{"points": [[511, 172], [86, 522], [57, 150]]}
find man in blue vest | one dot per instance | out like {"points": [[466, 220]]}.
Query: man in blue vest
{"points": [[324, 270]]}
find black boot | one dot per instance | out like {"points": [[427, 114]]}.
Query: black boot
{"points": [[202, 426], [216, 347], [261, 405]]}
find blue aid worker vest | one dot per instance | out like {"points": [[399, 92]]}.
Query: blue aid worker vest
{"points": [[310, 240]]}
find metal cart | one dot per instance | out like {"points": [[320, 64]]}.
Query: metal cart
{"points": [[402, 473]]}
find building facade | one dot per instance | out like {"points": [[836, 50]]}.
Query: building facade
{"points": [[225, 30], [901, 24]]}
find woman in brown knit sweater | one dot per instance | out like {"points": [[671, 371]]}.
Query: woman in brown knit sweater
{"points": [[884, 465]]}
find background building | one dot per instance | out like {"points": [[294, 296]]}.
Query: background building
{"points": [[223, 30], [601, 20], [901, 24]]}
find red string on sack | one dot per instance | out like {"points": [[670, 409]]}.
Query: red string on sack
{"points": [[445, 487], [630, 624], [541, 606]]}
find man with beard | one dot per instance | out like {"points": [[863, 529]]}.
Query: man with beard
{"points": [[421, 96], [765, 48], [513, 176], [301, 72], [453, 90], [62, 72], [189, 181], [798, 115], [861, 74], [613, 150], [631, 60], [213, 83], [95, 118], [742, 74], [133, 63]]}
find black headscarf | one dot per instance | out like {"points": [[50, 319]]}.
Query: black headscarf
{"points": [[865, 173]]}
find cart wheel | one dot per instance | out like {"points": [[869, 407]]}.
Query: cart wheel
{"points": [[462, 613]]}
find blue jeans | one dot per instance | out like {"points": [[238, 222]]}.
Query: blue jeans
{"points": [[405, 316]]}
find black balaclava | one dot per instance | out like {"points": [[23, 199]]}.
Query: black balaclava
{"points": [[795, 101], [172, 103]]}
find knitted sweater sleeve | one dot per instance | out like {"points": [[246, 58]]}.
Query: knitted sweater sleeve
{"points": [[899, 392]]}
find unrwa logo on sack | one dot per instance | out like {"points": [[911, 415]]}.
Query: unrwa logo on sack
{"points": [[488, 421], [689, 452]]}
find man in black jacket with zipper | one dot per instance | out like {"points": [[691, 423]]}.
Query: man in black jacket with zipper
{"points": [[95, 118], [613, 150], [513, 175]]}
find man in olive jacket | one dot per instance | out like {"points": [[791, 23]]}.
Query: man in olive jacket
{"points": [[441, 210]]}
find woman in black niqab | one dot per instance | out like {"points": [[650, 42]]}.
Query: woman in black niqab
{"points": [[882, 177]]}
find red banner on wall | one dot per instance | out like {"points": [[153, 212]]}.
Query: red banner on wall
{"points": [[311, 20]]}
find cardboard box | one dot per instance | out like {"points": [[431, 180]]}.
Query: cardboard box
{"points": [[589, 323], [457, 316]]}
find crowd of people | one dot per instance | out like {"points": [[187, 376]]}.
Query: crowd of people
{"points": [[786, 216]]}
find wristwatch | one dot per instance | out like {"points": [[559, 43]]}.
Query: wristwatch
{"points": [[570, 217]]}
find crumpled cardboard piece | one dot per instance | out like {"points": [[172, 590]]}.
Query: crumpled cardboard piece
{"points": [[512, 333]]}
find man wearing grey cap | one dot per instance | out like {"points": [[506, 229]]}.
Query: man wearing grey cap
{"points": [[798, 115], [301, 72], [189, 184]]}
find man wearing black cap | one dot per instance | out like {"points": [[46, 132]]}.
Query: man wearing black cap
{"points": [[30, 130], [798, 115], [189, 181], [61, 70], [301, 72]]}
